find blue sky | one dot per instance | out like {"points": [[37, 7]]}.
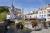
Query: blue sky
{"points": [[28, 5]]}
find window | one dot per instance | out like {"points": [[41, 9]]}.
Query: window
{"points": [[48, 14], [44, 15], [49, 11], [44, 11]]}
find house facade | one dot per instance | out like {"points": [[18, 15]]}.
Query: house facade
{"points": [[48, 13], [43, 13]]}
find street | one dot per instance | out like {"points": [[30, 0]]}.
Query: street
{"points": [[42, 31]]}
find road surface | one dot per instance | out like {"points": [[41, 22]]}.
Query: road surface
{"points": [[42, 31]]}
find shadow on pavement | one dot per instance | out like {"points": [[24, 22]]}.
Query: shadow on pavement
{"points": [[25, 30]]}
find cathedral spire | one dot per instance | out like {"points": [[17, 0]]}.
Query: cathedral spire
{"points": [[12, 6]]}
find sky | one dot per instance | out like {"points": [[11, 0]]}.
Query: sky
{"points": [[27, 5]]}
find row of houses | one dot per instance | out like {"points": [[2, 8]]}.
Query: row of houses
{"points": [[43, 13]]}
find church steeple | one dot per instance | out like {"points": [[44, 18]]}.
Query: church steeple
{"points": [[12, 6]]}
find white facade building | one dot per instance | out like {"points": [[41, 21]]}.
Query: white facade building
{"points": [[31, 16], [8, 16], [48, 13], [43, 13]]}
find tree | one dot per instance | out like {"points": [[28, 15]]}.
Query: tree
{"points": [[3, 12], [34, 23], [4, 9]]}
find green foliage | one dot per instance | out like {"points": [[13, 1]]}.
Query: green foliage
{"points": [[3, 16], [3, 12], [3, 9]]}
